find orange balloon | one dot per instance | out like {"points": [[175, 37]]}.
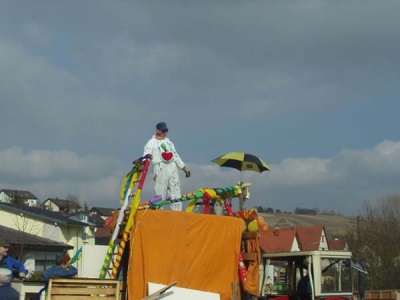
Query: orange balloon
{"points": [[262, 224], [260, 220]]}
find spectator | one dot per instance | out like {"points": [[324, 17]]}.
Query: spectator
{"points": [[7, 266], [61, 268], [304, 288]]}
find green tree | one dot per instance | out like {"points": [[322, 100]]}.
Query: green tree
{"points": [[260, 209], [270, 210], [375, 240]]}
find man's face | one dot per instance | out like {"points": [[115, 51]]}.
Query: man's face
{"points": [[3, 250], [163, 132]]}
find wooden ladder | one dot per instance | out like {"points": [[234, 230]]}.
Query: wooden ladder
{"points": [[123, 226]]}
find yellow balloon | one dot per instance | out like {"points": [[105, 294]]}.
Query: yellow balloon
{"points": [[253, 226]]}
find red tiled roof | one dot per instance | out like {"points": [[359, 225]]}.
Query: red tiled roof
{"points": [[309, 237], [103, 232], [281, 239], [277, 240], [337, 244]]}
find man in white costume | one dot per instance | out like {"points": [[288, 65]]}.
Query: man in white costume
{"points": [[166, 163]]}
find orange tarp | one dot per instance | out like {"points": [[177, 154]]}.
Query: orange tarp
{"points": [[199, 251], [253, 273]]}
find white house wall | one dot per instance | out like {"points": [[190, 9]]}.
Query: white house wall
{"points": [[295, 246], [72, 235], [91, 262], [7, 199], [4, 197], [54, 232], [323, 245], [51, 206], [21, 223]]}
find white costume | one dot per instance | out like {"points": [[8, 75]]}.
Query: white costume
{"points": [[166, 163]]}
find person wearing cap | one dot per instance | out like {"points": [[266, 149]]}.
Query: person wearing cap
{"points": [[166, 163], [7, 266], [61, 268]]}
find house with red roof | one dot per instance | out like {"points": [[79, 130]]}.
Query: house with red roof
{"points": [[312, 238], [290, 239], [279, 239], [338, 244]]}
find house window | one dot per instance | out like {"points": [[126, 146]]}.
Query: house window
{"points": [[43, 261], [85, 237], [86, 234]]}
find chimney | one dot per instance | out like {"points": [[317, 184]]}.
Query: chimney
{"points": [[276, 231]]}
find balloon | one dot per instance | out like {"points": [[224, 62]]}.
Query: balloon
{"points": [[253, 226], [262, 224]]}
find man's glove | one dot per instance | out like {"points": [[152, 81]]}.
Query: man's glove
{"points": [[186, 170]]}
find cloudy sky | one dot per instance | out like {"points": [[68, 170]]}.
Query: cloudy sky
{"points": [[311, 87]]}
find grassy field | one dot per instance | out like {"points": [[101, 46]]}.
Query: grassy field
{"points": [[334, 225]]}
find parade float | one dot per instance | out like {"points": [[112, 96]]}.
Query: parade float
{"points": [[216, 251], [214, 254]]}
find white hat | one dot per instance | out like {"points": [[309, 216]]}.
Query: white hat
{"points": [[5, 275]]}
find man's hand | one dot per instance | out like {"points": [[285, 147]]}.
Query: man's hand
{"points": [[22, 275], [186, 170]]}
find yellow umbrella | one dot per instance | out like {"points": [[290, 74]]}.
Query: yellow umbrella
{"points": [[242, 162]]}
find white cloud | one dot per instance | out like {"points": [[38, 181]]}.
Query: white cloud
{"points": [[341, 183], [59, 173], [36, 34], [306, 171], [50, 165]]}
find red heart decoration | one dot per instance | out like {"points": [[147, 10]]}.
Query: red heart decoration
{"points": [[167, 156]]}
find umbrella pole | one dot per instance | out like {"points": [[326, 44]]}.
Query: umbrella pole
{"points": [[241, 200]]}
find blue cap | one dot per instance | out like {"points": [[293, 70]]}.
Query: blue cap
{"points": [[162, 126]]}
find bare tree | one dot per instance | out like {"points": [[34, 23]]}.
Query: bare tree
{"points": [[27, 229], [74, 204], [375, 240], [16, 198]]}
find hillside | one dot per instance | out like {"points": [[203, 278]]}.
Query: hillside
{"points": [[334, 225]]}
